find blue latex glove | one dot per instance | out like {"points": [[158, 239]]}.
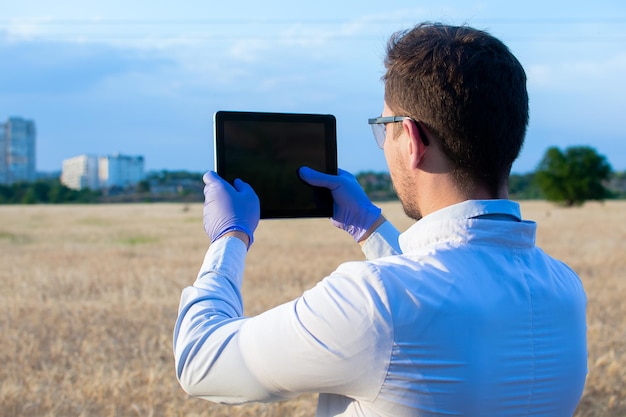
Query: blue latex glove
{"points": [[353, 211], [229, 208]]}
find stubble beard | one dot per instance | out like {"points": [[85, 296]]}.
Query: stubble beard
{"points": [[404, 188], [408, 206], [411, 211]]}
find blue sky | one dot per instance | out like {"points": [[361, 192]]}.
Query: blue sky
{"points": [[145, 77]]}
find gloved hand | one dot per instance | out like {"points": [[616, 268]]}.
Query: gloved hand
{"points": [[228, 208], [353, 211]]}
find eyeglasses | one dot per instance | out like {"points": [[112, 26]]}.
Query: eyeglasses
{"points": [[379, 128]]}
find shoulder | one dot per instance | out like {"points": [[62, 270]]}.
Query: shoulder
{"points": [[375, 287], [353, 294], [349, 310], [355, 282]]}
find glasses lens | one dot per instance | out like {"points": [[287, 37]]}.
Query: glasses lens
{"points": [[379, 134]]}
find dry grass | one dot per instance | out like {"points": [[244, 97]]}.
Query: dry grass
{"points": [[89, 297]]}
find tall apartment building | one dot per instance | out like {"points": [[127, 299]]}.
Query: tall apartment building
{"points": [[81, 172], [120, 170], [102, 172], [17, 151]]}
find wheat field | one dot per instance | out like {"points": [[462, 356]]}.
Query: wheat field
{"points": [[89, 296]]}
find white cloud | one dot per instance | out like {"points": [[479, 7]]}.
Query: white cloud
{"points": [[540, 75], [592, 76], [609, 70], [249, 50], [17, 30]]}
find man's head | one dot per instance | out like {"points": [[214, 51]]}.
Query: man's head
{"points": [[469, 90]]}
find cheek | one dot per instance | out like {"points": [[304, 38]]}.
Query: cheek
{"points": [[396, 171]]}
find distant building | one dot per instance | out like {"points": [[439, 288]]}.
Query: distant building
{"points": [[81, 172], [17, 151], [120, 170], [87, 171]]}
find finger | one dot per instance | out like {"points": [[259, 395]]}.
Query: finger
{"points": [[306, 173], [319, 179], [344, 173], [242, 186]]}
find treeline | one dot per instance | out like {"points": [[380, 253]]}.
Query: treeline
{"points": [[378, 186], [49, 191], [157, 186], [187, 186]]}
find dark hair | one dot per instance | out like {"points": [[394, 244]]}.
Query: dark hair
{"points": [[469, 90]]}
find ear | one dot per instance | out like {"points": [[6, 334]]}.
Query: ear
{"points": [[415, 144]]}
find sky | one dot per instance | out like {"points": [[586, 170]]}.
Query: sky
{"points": [[144, 77]]}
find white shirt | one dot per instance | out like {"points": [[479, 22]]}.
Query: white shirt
{"points": [[469, 319]]}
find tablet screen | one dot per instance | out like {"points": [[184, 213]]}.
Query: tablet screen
{"points": [[267, 149]]}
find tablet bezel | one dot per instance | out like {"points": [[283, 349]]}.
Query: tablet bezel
{"points": [[324, 207]]}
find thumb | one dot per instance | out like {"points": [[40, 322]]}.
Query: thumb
{"points": [[210, 176], [319, 179], [242, 186]]}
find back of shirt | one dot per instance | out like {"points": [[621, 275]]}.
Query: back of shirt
{"points": [[481, 330]]}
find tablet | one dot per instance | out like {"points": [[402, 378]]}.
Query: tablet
{"points": [[266, 150]]}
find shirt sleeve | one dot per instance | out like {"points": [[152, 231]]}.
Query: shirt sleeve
{"points": [[208, 362], [384, 241], [336, 338], [318, 342]]}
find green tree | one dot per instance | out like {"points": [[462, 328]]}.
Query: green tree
{"points": [[523, 187], [57, 193], [29, 196], [143, 187], [6, 194], [377, 185], [574, 176], [41, 191]]}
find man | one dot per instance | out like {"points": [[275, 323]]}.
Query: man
{"points": [[459, 315]]}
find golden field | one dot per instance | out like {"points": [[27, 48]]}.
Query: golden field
{"points": [[89, 296]]}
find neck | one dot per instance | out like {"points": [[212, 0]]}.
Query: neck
{"points": [[439, 191]]}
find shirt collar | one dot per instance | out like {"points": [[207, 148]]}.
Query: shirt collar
{"points": [[471, 220]]}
